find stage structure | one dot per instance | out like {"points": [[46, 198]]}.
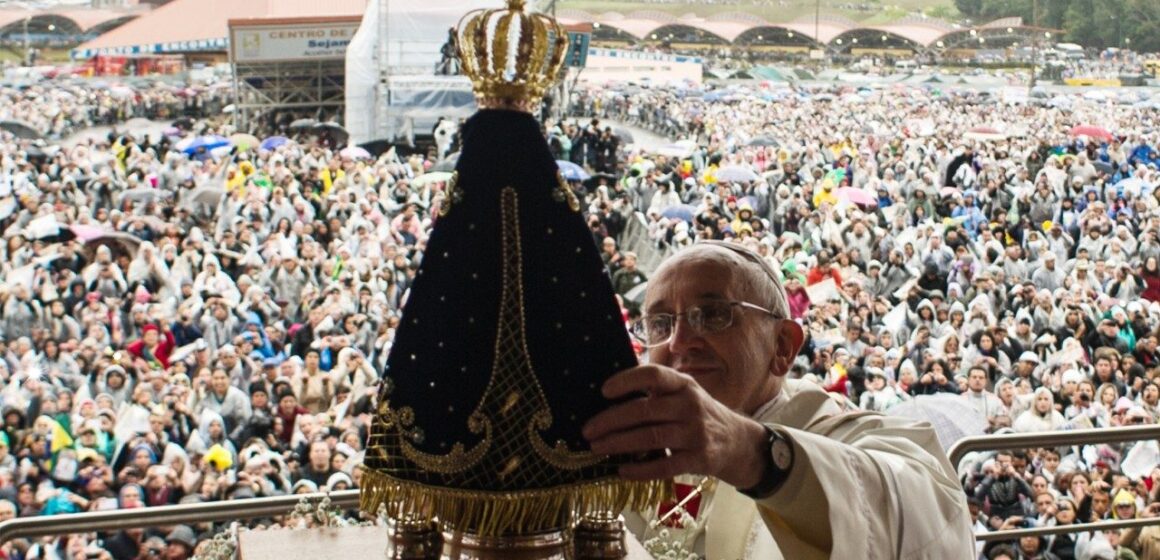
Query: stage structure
{"points": [[288, 68], [394, 77]]}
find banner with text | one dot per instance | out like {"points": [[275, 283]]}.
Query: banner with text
{"points": [[299, 41]]}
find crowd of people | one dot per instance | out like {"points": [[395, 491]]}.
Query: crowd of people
{"points": [[56, 110], [999, 256], [194, 326]]}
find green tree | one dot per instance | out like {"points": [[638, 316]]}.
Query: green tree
{"points": [[1082, 24], [969, 8], [1053, 13], [995, 9], [1142, 21]]}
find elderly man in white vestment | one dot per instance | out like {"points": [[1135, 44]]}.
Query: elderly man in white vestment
{"points": [[776, 468]]}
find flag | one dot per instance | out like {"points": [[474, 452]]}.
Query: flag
{"points": [[60, 438]]}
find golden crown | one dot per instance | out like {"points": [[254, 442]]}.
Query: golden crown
{"points": [[511, 56]]}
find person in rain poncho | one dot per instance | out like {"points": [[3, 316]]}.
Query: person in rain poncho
{"points": [[213, 281], [879, 396], [1042, 416], [353, 372], [211, 431], [149, 270]]}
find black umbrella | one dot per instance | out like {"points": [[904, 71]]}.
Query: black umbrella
{"points": [[332, 130], [624, 135], [1104, 167], [594, 181], [36, 152], [303, 124], [764, 141], [376, 147], [330, 127], [65, 234], [21, 129], [184, 123]]}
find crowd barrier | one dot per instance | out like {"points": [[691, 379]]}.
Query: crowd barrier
{"points": [[635, 238], [56, 525]]}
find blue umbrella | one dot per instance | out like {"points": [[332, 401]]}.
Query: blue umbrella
{"points": [[572, 172], [209, 142], [272, 143], [681, 212]]}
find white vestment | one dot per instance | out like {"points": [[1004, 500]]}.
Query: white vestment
{"points": [[862, 486]]}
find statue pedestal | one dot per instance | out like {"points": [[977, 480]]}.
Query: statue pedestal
{"points": [[358, 543]]}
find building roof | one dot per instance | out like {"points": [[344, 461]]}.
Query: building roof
{"points": [[84, 19], [729, 26], [202, 25]]}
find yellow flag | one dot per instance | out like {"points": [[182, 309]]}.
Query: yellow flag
{"points": [[60, 437]]}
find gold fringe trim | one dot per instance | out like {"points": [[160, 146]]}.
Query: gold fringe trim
{"points": [[492, 514]]}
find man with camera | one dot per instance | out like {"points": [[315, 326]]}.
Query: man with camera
{"points": [[1003, 487]]}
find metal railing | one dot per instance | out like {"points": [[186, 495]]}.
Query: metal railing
{"points": [[1051, 439], [1016, 534], [50, 525], [28, 527]]}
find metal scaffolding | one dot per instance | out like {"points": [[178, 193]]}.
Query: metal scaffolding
{"points": [[269, 90]]}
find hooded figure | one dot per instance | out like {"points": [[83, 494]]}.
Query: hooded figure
{"points": [[353, 372], [1041, 416], [927, 318], [149, 270], [741, 220], [1124, 505], [211, 431], [214, 281]]}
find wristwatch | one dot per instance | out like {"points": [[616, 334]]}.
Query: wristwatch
{"points": [[778, 453]]}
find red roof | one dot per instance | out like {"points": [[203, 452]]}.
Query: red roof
{"points": [[206, 20]]}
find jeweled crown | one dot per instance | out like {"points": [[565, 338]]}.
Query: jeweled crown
{"points": [[511, 56]]}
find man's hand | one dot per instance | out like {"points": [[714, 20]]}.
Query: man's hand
{"points": [[1013, 522], [1152, 510], [702, 436]]}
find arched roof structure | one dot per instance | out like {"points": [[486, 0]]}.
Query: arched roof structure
{"points": [[184, 26], [65, 21], [833, 32]]}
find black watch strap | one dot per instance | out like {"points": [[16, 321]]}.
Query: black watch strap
{"points": [[774, 474]]}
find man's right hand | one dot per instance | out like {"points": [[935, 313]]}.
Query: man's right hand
{"points": [[696, 433]]}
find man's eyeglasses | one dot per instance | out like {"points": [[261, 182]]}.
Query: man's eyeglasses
{"points": [[711, 318]]}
